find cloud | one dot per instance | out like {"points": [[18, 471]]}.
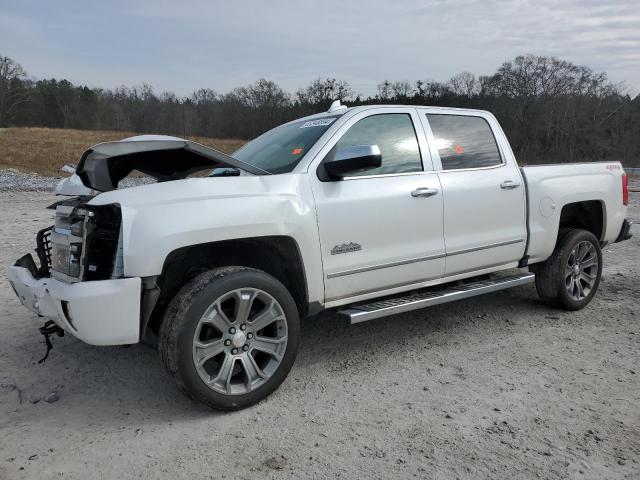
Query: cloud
{"points": [[185, 45]]}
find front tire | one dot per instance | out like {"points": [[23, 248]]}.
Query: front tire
{"points": [[230, 336], [570, 277]]}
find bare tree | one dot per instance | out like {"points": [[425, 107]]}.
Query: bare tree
{"points": [[205, 96], [12, 91], [430, 90], [385, 90], [402, 89], [262, 94], [531, 75], [265, 104], [395, 90], [320, 93], [464, 84]]}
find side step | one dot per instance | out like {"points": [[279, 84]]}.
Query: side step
{"points": [[415, 301]]}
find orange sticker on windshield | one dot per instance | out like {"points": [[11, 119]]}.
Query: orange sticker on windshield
{"points": [[296, 151], [459, 149]]}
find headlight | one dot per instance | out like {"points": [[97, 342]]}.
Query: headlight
{"points": [[66, 258], [59, 257]]}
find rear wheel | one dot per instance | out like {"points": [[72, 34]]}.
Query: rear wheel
{"points": [[570, 277], [230, 337]]}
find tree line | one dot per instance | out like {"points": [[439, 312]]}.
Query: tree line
{"points": [[552, 110]]}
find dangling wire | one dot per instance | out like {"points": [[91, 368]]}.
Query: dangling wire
{"points": [[48, 329]]}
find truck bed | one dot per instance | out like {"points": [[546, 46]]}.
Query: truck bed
{"points": [[550, 188]]}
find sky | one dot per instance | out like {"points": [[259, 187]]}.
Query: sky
{"points": [[184, 45]]}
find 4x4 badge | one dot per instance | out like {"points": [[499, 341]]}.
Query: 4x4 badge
{"points": [[346, 248]]}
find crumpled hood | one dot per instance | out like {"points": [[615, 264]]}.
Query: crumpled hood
{"points": [[161, 157]]}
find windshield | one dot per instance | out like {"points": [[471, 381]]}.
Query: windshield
{"points": [[279, 150]]}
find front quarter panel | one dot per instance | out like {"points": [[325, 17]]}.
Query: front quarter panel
{"points": [[160, 218]]}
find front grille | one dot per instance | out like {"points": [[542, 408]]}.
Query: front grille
{"points": [[43, 249]]}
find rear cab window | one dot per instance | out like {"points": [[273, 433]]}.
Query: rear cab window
{"points": [[464, 141]]}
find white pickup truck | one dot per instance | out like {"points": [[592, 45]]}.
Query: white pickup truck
{"points": [[371, 210]]}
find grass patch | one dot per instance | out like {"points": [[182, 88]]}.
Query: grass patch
{"points": [[46, 150]]}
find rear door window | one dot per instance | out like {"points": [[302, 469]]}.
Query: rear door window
{"points": [[464, 141]]}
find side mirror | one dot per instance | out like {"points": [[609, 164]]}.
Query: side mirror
{"points": [[350, 159]]}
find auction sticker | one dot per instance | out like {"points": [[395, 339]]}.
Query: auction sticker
{"points": [[318, 123]]}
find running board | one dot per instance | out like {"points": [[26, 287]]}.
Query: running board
{"points": [[416, 301]]}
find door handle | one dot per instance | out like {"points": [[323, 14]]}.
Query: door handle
{"points": [[424, 192], [509, 185]]}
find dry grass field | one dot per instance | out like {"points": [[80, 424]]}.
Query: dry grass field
{"points": [[45, 150]]}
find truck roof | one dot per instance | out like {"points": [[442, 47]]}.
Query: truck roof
{"points": [[361, 108]]}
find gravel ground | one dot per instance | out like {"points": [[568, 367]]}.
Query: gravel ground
{"points": [[12, 180], [495, 387]]}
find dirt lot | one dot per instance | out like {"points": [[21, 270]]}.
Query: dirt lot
{"points": [[497, 387]]}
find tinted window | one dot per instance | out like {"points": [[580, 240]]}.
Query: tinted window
{"points": [[281, 149], [395, 136], [464, 142]]}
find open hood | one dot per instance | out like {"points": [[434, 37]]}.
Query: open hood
{"points": [[161, 157]]}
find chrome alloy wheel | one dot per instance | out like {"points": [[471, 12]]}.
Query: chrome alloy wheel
{"points": [[581, 271], [240, 341]]}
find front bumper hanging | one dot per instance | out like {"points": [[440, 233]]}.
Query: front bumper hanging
{"points": [[99, 312]]}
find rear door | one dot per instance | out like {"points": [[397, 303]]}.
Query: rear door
{"points": [[378, 231], [484, 198]]}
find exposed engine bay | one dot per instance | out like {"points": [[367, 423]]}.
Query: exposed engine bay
{"points": [[83, 244], [163, 158]]}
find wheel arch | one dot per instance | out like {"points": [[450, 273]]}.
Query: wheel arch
{"points": [[588, 215], [277, 255]]}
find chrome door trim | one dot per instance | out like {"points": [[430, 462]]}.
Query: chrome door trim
{"points": [[471, 169], [383, 175], [384, 265], [484, 247], [421, 259]]}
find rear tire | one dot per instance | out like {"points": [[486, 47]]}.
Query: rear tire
{"points": [[570, 277], [230, 337]]}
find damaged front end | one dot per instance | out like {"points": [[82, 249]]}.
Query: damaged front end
{"points": [[85, 243], [79, 283], [163, 158]]}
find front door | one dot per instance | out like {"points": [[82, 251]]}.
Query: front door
{"points": [[378, 228]]}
